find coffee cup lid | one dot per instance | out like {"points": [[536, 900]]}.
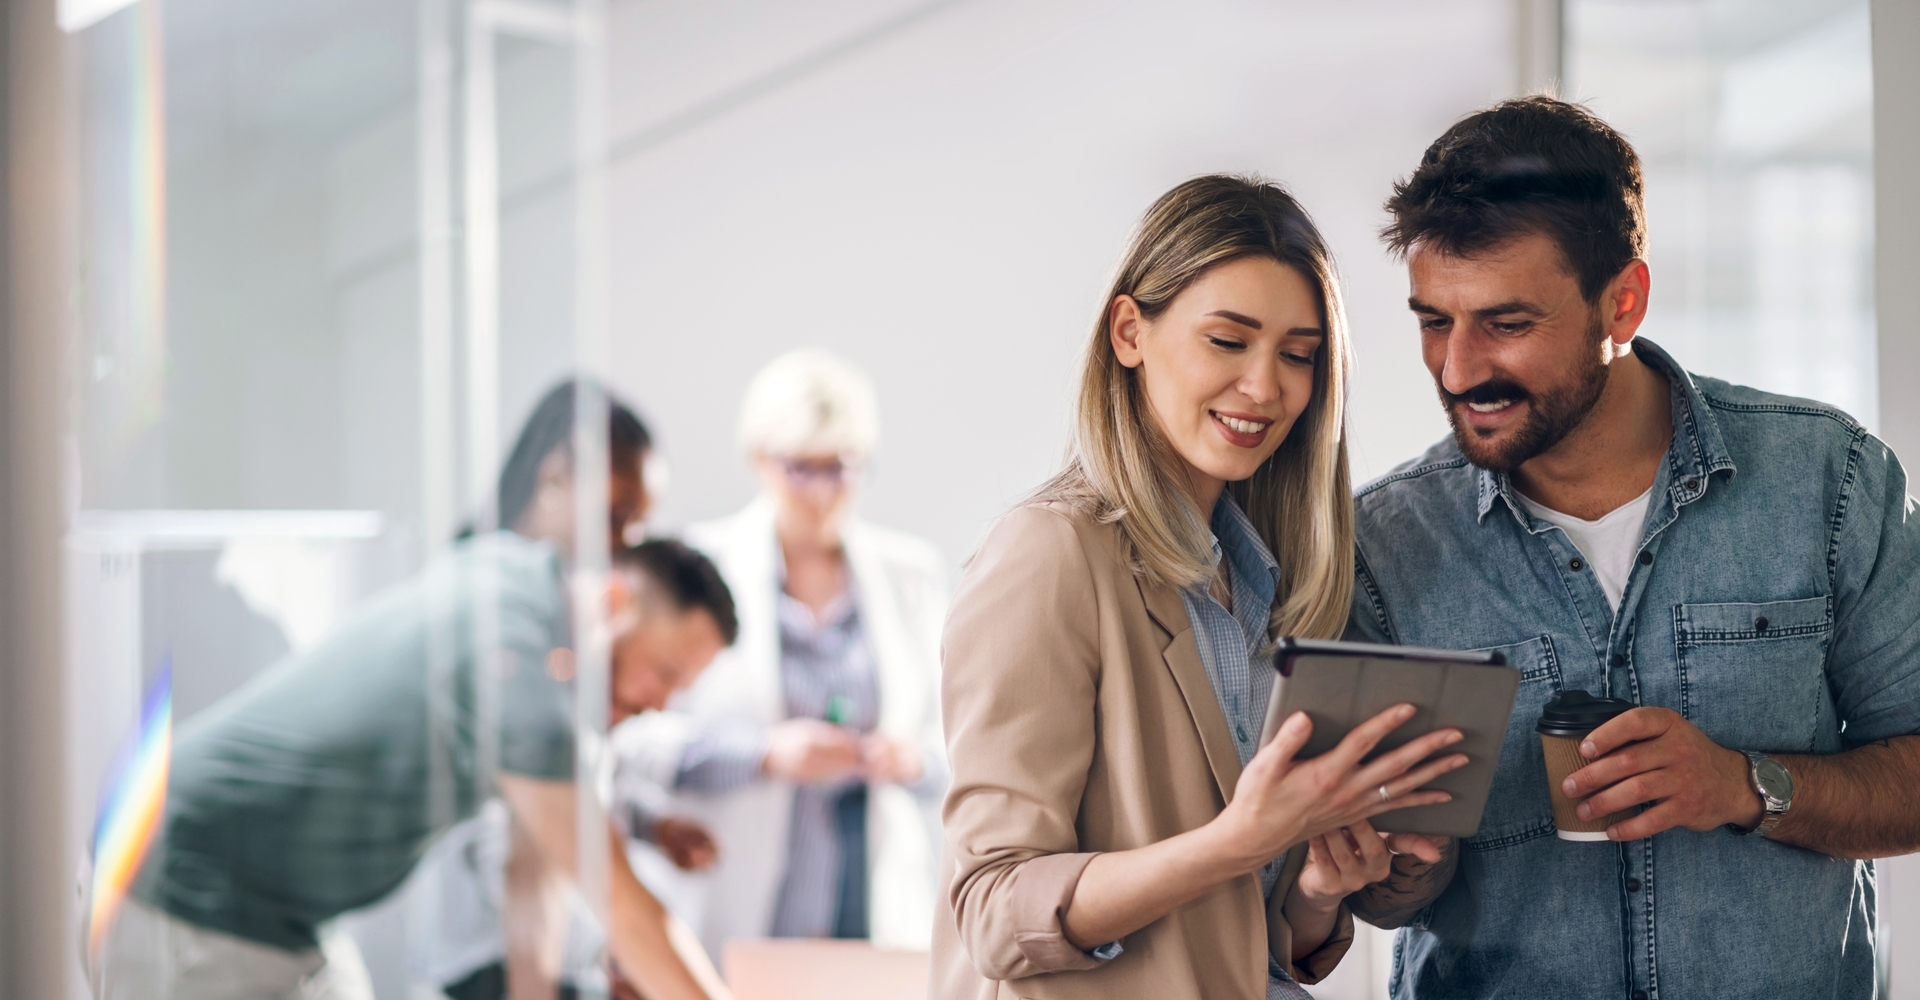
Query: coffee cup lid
{"points": [[1577, 713]]}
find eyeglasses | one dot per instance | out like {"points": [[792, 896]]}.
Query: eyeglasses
{"points": [[803, 472]]}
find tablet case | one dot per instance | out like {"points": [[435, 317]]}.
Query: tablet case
{"points": [[1340, 685]]}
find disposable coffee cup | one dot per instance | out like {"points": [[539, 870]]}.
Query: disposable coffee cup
{"points": [[1564, 723]]}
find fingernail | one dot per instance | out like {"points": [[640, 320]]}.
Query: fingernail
{"points": [[1460, 761], [1586, 749], [1456, 736], [1584, 812], [1570, 788], [1613, 833], [1406, 711]]}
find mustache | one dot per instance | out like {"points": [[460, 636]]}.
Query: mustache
{"points": [[1492, 390]]}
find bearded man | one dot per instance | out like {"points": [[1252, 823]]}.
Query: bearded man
{"points": [[1742, 566]]}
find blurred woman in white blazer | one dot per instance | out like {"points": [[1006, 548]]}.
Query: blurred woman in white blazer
{"points": [[812, 748]]}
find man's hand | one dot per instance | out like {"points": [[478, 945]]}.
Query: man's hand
{"points": [[892, 759], [810, 751], [1655, 755], [686, 843]]}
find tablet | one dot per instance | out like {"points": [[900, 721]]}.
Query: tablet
{"points": [[1342, 684]]}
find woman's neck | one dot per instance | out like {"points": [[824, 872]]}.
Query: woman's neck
{"points": [[1204, 491], [816, 568]]}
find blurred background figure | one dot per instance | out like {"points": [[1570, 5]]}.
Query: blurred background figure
{"points": [[812, 750], [484, 877], [312, 790]]}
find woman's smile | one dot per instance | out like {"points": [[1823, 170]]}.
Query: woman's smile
{"points": [[1242, 430]]}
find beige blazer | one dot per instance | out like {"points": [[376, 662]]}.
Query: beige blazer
{"points": [[1079, 719]]}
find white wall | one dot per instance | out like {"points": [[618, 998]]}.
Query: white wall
{"points": [[942, 206]]}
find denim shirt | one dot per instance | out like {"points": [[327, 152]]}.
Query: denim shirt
{"points": [[1775, 603]]}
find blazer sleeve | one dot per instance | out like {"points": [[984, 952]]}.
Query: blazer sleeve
{"points": [[1319, 963], [1020, 663]]}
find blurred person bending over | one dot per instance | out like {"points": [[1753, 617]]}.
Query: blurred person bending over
{"points": [[812, 749], [315, 788], [485, 875]]}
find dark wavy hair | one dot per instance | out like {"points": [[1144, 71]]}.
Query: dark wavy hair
{"points": [[1527, 165]]}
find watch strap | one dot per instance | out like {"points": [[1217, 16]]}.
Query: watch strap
{"points": [[1772, 810]]}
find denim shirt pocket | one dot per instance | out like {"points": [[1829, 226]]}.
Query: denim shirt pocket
{"points": [[1518, 808], [1753, 676]]}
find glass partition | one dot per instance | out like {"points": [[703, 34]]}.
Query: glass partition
{"points": [[334, 254]]}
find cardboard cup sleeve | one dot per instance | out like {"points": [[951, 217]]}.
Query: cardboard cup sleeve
{"points": [[1563, 758]]}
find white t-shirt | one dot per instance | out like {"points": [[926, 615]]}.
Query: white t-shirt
{"points": [[1609, 543]]}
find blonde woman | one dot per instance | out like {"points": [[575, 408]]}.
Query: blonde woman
{"points": [[812, 749], [1111, 831]]}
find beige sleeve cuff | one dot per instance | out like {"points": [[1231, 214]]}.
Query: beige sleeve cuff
{"points": [[1041, 893], [1321, 962]]}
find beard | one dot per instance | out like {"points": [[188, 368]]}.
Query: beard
{"points": [[1552, 413]]}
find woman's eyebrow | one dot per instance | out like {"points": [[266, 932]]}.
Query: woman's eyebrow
{"points": [[1307, 331], [1234, 317]]}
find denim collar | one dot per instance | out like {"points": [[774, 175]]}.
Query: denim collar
{"points": [[1234, 536], [1696, 453]]}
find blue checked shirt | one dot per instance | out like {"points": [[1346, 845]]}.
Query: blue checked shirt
{"points": [[1238, 654]]}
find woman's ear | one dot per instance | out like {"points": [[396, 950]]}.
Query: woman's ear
{"points": [[1124, 325]]}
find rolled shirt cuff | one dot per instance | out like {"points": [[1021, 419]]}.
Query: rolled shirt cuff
{"points": [[1041, 893]]}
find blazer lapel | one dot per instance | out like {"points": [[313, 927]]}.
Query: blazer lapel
{"points": [[1183, 659]]}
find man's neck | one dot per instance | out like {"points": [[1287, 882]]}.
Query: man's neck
{"points": [[1613, 455]]}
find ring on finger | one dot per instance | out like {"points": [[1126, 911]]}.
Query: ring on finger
{"points": [[1383, 793]]}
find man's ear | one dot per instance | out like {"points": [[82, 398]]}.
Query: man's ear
{"points": [[1624, 303], [624, 596], [1125, 323]]}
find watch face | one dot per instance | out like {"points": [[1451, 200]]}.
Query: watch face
{"points": [[1772, 777]]}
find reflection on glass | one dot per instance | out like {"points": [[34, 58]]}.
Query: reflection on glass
{"points": [[315, 788]]}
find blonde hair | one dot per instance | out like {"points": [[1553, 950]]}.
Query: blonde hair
{"points": [[808, 402], [1122, 470]]}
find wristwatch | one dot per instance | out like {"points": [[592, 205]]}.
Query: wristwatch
{"points": [[1774, 785]]}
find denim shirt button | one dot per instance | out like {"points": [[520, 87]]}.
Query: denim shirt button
{"points": [[1576, 565], [1646, 558], [1639, 995], [1633, 885], [1692, 485], [1618, 661]]}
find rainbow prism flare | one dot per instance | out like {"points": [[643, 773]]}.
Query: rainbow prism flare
{"points": [[131, 806]]}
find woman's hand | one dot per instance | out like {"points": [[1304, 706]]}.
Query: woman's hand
{"points": [[1280, 802], [1341, 862], [809, 751], [891, 759]]}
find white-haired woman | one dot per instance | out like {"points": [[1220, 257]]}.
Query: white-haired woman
{"points": [[1112, 831], [812, 748]]}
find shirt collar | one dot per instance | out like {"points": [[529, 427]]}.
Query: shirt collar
{"points": [[1234, 536], [1697, 451]]}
